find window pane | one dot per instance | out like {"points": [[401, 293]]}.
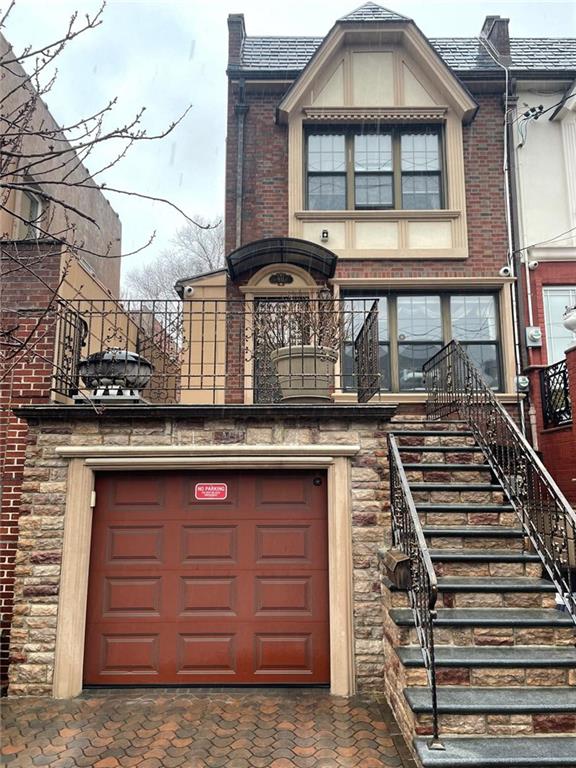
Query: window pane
{"points": [[373, 152], [558, 338], [373, 190], [327, 193], [419, 318], [411, 358], [356, 311], [420, 151], [473, 318], [349, 377], [486, 358], [420, 192], [326, 152]]}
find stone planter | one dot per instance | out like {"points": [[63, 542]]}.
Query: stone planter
{"points": [[305, 372]]}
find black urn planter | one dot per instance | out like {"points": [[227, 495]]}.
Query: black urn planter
{"points": [[115, 374]]}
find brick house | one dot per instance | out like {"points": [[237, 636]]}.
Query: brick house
{"points": [[39, 271], [240, 529]]}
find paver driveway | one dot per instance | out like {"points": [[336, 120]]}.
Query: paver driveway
{"points": [[235, 728]]}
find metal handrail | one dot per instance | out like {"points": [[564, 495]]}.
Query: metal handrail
{"points": [[455, 384], [408, 536]]}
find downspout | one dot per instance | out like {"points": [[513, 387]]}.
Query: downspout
{"points": [[523, 278], [241, 109], [510, 255]]}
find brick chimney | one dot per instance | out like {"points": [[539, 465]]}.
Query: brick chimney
{"points": [[495, 31], [236, 35]]}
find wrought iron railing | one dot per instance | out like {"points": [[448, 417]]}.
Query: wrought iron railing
{"points": [[555, 393], [455, 385], [408, 536], [214, 351]]}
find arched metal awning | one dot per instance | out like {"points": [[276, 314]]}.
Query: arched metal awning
{"points": [[281, 250]]}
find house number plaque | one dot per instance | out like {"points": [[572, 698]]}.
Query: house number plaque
{"points": [[211, 491]]}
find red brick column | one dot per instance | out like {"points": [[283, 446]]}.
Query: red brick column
{"points": [[30, 275]]}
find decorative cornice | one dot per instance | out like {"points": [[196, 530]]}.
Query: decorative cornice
{"points": [[376, 114]]}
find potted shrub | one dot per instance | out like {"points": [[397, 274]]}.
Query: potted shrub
{"points": [[302, 338]]}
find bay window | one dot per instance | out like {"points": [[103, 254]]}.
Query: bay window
{"points": [[374, 169], [414, 326]]}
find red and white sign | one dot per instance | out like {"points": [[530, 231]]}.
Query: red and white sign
{"points": [[211, 491]]}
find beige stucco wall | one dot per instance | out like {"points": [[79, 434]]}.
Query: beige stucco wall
{"points": [[546, 173], [106, 238]]}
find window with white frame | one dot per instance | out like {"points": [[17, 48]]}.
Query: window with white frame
{"points": [[414, 326], [558, 339]]}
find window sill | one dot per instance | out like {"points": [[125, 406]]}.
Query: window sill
{"points": [[388, 214]]}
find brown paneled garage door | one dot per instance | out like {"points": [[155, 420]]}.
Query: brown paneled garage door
{"points": [[208, 577]]}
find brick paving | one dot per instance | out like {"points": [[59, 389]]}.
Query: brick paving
{"points": [[235, 728]]}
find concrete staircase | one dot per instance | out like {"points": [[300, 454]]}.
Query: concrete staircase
{"points": [[505, 656]]}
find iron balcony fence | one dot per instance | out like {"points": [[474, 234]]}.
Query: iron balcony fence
{"points": [[455, 385], [215, 351], [555, 393]]}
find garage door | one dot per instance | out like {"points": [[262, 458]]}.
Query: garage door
{"points": [[208, 577]]}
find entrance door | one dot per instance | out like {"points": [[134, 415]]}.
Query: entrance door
{"points": [[208, 578]]}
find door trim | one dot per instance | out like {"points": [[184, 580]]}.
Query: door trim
{"points": [[85, 461]]}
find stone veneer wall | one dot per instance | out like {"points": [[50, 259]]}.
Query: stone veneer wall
{"points": [[43, 504]]}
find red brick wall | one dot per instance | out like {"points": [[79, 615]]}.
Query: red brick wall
{"points": [[265, 182], [557, 445], [548, 273], [265, 200], [30, 273]]}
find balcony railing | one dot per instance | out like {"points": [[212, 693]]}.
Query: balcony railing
{"points": [[212, 351], [555, 393]]}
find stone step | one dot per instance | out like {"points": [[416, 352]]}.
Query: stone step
{"points": [[517, 656], [456, 487], [468, 701], [495, 752], [445, 467], [441, 448], [433, 432], [494, 584], [496, 509], [483, 555], [491, 617], [483, 531]]}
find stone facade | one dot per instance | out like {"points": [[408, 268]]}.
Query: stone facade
{"points": [[44, 501]]}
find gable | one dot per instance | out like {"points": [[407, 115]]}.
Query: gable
{"points": [[388, 65]]}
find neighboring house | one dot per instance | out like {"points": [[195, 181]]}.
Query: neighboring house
{"points": [[242, 534], [544, 161], [48, 255]]}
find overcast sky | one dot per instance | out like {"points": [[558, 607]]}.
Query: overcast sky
{"points": [[166, 54]]}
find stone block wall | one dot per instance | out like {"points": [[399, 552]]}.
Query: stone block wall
{"points": [[45, 488], [30, 274]]}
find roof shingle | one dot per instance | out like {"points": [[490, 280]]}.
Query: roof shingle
{"points": [[373, 12], [466, 54]]}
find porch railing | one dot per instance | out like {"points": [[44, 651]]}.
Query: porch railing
{"points": [[555, 393], [455, 385], [408, 536], [217, 351]]}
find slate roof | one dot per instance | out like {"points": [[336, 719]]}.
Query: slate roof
{"points": [[462, 54], [372, 12]]}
